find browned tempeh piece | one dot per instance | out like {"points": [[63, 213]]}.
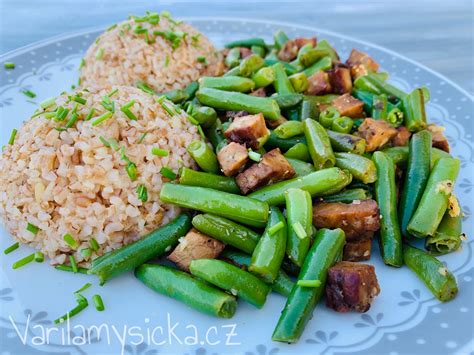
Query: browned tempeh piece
{"points": [[355, 219], [261, 92], [232, 158], [349, 106], [358, 250], [319, 84], [289, 51], [245, 52], [401, 138], [249, 130], [303, 41], [351, 286], [376, 133], [438, 138], [340, 79], [272, 168], [361, 64]]}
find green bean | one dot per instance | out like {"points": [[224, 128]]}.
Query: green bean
{"points": [[238, 208], [309, 108], [299, 212], [282, 84], [206, 116], [327, 117], [348, 143], [290, 268], [368, 99], [235, 71], [298, 151], [395, 117], [148, 247], [299, 307], [348, 196], [176, 96], [319, 145], [360, 167], [236, 101], [363, 83], [320, 183], [416, 177], [386, 195], [270, 250], [414, 111], [256, 41], [323, 64], [284, 144], [292, 114], [325, 46], [323, 99], [227, 83], [289, 129], [289, 69], [287, 100], [399, 155], [300, 167], [191, 89], [227, 231], [263, 77], [272, 56], [280, 39], [248, 66], [434, 201], [311, 55], [379, 107], [215, 134], [299, 82], [439, 280], [233, 58], [282, 284], [447, 237], [259, 50], [184, 288], [192, 177], [204, 156], [232, 279], [342, 124]]}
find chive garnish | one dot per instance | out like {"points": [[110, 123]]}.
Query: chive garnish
{"points": [[144, 87], [11, 248], [142, 137], [142, 193], [202, 59], [167, 60], [104, 141], [47, 103], [9, 65], [22, 262], [39, 257], [99, 54], [73, 263], [61, 113], [90, 114], [140, 30], [29, 93], [49, 115], [111, 27], [201, 132], [68, 268], [83, 63], [108, 104], [32, 228], [168, 173], [102, 118], [113, 144], [71, 241], [83, 288], [167, 108], [94, 244], [71, 120], [255, 156], [159, 152], [81, 305], [192, 120], [308, 283], [275, 228], [112, 93], [131, 169], [299, 230], [12, 136], [86, 252], [126, 110], [79, 99], [98, 303]]}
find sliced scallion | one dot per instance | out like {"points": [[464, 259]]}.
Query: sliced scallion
{"points": [[99, 54], [29, 93], [98, 303], [9, 65], [68, 268], [142, 193], [22, 262], [102, 118], [12, 136], [83, 288], [81, 305], [73, 263], [94, 244], [79, 99], [168, 173], [131, 169], [299, 230], [90, 114], [11, 248], [104, 141], [275, 228], [32, 228], [144, 87], [86, 252], [308, 283], [71, 241], [255, 156], [159, 152], [47, 103], [39, 257]]}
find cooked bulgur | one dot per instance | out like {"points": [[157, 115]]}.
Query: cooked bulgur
{"points": [[163, 53], [75, 181]]}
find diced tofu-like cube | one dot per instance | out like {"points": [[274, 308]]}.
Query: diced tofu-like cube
{"points": [[302, 41], [361, 64], [230, 115], [358, 250], [438, 138], [249, 130], [245, 52], [232, 158], [272, 168], [319, 84], [289, 51], [376, 133], [195, 245], [355, 219], [340, 79], [261, 92], [402, 137], [349, 106], [351, 286]]}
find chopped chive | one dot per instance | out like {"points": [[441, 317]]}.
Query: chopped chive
{"points": [[142, 193], [275, 228], [99, 54], [22, 262], [61, 113], [81, 305], [94, 244], [131, 171], [68, 268], [83, 63], [12, 136], [129, 104], [72, 260], [168, 173], [102, 118], [79, 99], [167, 60], [71, 120], [111, 27], [86, 252], [142, 137], [39, 257], [299, 230], [308, 283], [29, 93], [49, 115], [255, 156], [144, 87], [83, 288], [90, 114], [47, 103], [113, 92], [113, 144], [11, 248], [201, 132], [140, 30], [159, 152], [98, 303], [9, 65], [71, 241], [193, 120], [108, 104], [32, 228], [104, 141], [129, 113], [202, 59], [167, 109]]}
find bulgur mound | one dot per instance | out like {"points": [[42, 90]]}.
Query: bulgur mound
{"points": [[157, 55], [70, 182]]}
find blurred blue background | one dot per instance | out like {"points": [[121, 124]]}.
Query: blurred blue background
{"points": [[439, 34]]}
